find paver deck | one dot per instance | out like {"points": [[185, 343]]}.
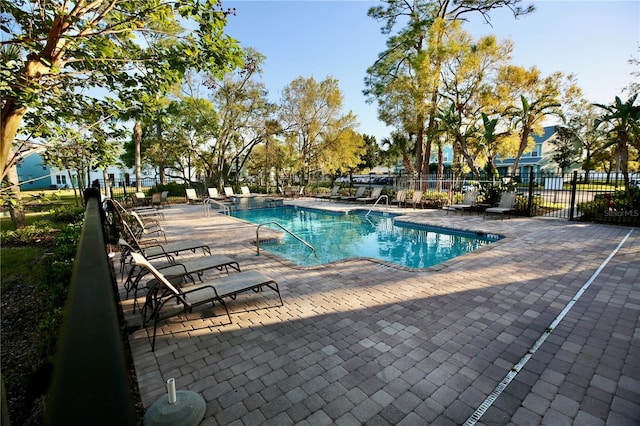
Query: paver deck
{"points": [[361, 342]]}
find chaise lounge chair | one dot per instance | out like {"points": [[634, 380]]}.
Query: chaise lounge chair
{"points": [[186, 268], [359, 194], [416, 198], [507, 201], [375, 194], [333, 193], [401, 197], [165, 292], [470, 200], [192, 197]]}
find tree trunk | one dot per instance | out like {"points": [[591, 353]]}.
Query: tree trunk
{"points": [[137, 135], [18, 218], [9, 123]]}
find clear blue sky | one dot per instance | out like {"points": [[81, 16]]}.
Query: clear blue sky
{"points": [[592, 39]]}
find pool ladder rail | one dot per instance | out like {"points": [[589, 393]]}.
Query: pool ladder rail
{"points": [[285, 230], [223, 206], [385, 197]]}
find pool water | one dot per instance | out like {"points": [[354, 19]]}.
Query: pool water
{"points": [[338, 236]]}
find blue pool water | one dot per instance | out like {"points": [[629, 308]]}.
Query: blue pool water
{"points": [[338, 236]]}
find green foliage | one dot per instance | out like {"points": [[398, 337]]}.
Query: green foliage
{"points": [[434, 199], [522, 204], [175, 189], [67, 214], [31, 234], [621, 205]]}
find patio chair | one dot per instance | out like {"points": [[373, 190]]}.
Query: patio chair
{"points": [[148, 227], [375, 194], [192, 197], [213, 194], [359, 194], [469, 201], [156, 200], [228, 191], [333, 193], [507, 201], [245, 190], [138, 199], [164, 198], [186, 268], [416, 198], [401, 197], [166, 293]]}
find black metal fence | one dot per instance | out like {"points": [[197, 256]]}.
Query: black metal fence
{"points": [[572, 196], [91, 383]]}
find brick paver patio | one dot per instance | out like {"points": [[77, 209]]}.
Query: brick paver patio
{"points": [[359, 342]]}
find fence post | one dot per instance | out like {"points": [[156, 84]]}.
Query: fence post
{"points": [[530, 198], [572, 202]]}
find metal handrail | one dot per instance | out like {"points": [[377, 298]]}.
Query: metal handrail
{"points": [[285, 230], [223, 206], [386, 197]]}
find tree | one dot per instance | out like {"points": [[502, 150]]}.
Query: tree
{"points": [[59, 52], [532, 99], [67, 50], [312, 118], [567, 148], [623, 121], [412, 61], [399, 146], [245, 117]]}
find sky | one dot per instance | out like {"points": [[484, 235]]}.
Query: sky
{"points": [[335, 38]]}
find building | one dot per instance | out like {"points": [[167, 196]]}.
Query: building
{"points": [[33, 174], [539, 159]]}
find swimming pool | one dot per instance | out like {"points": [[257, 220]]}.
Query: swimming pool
{"points": [[338, 236]]}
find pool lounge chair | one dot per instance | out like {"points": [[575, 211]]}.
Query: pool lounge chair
{"points": [[470, 200], [401, 197], [192, 197], [333, 193], [228, 191], [507, 201], [187, 269], [375, 194], [416, 198], [147, 227], [213, 194], [165, 293], [138, 199], [359, 194]]}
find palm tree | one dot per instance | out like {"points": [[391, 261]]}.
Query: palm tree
{"points": [[400, 146], [529, 117], [624, 123]]}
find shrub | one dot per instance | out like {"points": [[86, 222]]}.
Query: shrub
{"points": [[31, 234], [522, 204], [67, 214], [435, 199]]}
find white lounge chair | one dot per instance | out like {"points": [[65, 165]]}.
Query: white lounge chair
{"points": [[192, 197]]}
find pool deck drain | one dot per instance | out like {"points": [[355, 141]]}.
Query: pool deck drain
{"points": [[359, 344]]}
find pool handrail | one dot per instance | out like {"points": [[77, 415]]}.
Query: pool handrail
{"points": [[285, 230], [386, 197], [223, 206]]}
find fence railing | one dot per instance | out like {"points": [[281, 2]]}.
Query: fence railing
{"points": [[91, 383], [571, 196]]}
